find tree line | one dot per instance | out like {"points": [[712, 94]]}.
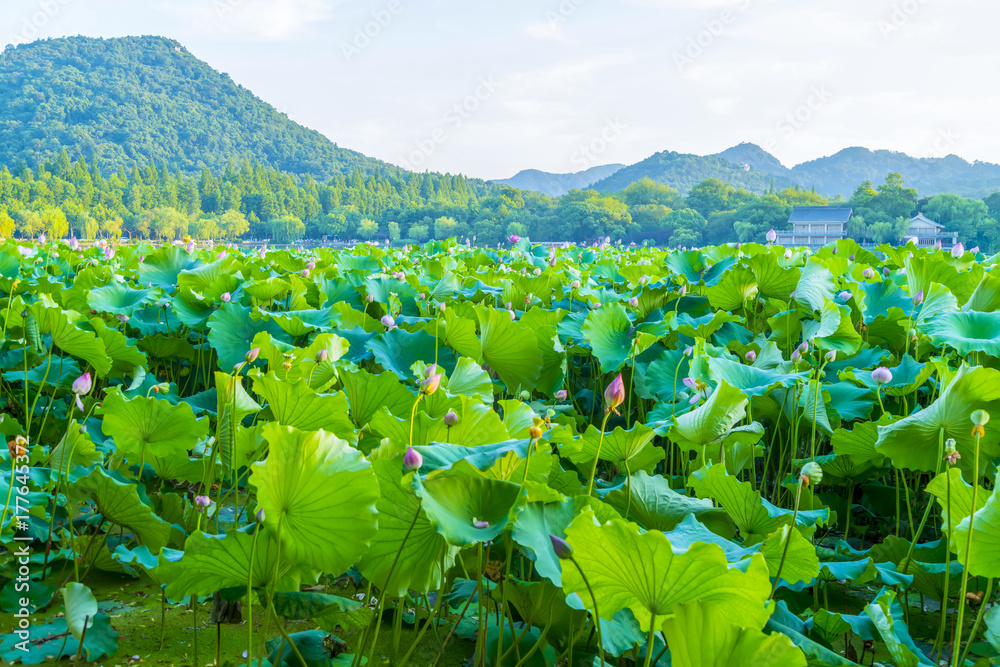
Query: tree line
{"points": [[61, 197]]}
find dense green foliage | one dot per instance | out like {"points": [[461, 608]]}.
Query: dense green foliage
{"points": [[727, 456], [61, 197]]}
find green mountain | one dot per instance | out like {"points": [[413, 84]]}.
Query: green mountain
{"points": [[556, 185], [683, 171], [140, 99]]}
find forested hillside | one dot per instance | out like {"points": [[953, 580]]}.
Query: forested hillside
{"points": [[148, 99]]}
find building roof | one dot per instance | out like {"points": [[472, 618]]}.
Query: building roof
{"points": [[920, 217], [821, 214]]}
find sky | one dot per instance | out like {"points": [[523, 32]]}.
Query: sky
{"points": [[490, 87]]}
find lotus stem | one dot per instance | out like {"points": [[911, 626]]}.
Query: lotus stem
{"points": [[788, 540], [597, 456], [253, 552], [650, 639], [979, 620], [597, 615], [968, 558]]}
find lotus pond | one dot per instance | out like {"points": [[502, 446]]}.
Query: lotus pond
{"points": [[446, 455]]}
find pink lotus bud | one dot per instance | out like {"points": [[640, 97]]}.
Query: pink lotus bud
{"points": [[831, 356], [537, 272], [304, 273], [226, 297], [412, 459], [750, 356], [882, 375], [634, 302], [885, 271], [189, 246], [310, 265], [83, 384], [683, 290], [796, 355], [202, 501], [575, 284], [41, 238], [771, 236], [868, 273], [919, 298], [261, 252], [788, 254], [430, 370], [562, 394], [803, 347], [321, 356], [845, 296], [222, 255], [430, 384], [442, 307], [259, 517], [251, 356], [513, 238], [370, 298], [480, 524], [388, 322], [513, 315], [121, 317], [450, 418], [614, 394]]}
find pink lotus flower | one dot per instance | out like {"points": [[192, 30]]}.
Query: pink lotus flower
{"points": [[480, 524], [751, 356], [562, 394], [189, 247], [882, 375], [41, 239], [700, 389], [261, 252], [388, 322], [430, 384], [868, 273], [514, 238], [252, 355], [771, 236], [226, 297], [81, 387]]}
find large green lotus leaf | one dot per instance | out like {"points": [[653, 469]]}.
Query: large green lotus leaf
{"points": [[455, 504], [738, 285], [656, 506], [815, 285], [298, 323], [162, 267], [294, 404], [922, 271], [816, 653], [76, 444], [191, 309], [214, 562], [441, 456], [702, 635], [835, 330], [119, 503], [632, 449], [231, 330], [966, 332], [397, 350], [937, 301], [954, 496], [640, 571], [536, 522], [608, 330], [695, 266], [233, 403], [425, 555], [150, 425], [119, 299], [383, 288], [470, 379], [882, 299], [61, 372], [214, 279], [773, 280], [366, 393], [750, 380], [712, 420], [70, 339], [704, 326], [754, 516], [801, 562], [510, 349], [457, 331], [81, 607], [664, 377], [986, 297], [267, 290], [915, 441], [478, 424], [859, 443], [850, 401], [887, 616], [318, 493], [125, 355]]}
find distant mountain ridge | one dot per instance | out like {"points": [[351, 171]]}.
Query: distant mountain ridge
{"points": [[556, 185], [751, 167]]}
